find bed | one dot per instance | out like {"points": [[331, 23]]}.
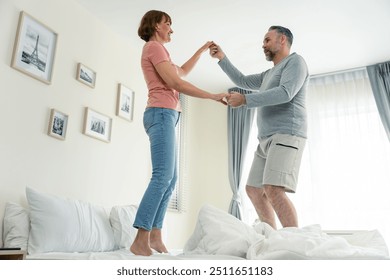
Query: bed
{"points": [[59, 228]]}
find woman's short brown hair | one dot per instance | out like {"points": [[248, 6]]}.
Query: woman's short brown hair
{"points": [[148, 23]]}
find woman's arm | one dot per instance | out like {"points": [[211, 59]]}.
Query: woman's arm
{"points": [[168, 73], [189, 65]]}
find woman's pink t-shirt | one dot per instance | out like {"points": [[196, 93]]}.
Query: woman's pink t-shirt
{"points": [[160, 95]]}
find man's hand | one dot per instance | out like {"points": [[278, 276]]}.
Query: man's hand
{"points": [[216, 51], [236, 99]]}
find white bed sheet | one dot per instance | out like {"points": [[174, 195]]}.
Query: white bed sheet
{"points": [[311, 243], [124, 254], [218, 232]]}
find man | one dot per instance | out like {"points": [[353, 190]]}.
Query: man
{"points": [[282, 124]]}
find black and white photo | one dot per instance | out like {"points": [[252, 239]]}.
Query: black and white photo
{"points": [[97, 125], [34, 49], [58, 124], [125, 102], [86, 75]]}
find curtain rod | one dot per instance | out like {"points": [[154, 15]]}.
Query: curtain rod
{"points": [[338, 72]]}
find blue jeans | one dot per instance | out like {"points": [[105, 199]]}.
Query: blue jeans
{"points": [[160, 126]]}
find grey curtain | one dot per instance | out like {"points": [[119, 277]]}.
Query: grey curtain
{"points": [[239, 125], [379, 75]]}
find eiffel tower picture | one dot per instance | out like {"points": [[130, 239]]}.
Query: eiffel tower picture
{"points": [[33, 57], [34, 49]]}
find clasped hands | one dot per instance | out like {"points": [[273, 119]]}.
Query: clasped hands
{"points": [[233, 99]]}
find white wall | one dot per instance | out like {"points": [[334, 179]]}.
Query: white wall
{"points": [[81, 167]]}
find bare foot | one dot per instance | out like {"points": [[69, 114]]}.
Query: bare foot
{"points": [[140, 245], [156, 242], [140, 249], [159, 247]]}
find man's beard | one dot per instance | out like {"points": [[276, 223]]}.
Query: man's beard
{"points": [[269, 55]]}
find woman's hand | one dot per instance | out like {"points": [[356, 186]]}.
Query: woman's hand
{"points": [[206, 46], [220, 97], [189, 65]]}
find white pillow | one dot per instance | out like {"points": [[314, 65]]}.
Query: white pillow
{"points": [[122, 219], [65, 225], [16, 225], [219, 233]]}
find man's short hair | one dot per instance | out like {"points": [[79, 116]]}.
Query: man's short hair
{"points": [[284, 31]]}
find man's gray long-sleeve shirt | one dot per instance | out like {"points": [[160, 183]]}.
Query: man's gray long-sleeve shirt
{"points": [[280, 99]]}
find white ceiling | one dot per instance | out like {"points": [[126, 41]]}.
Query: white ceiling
{"points": [[331, 35]]}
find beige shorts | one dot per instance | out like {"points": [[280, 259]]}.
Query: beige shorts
{"points": [[276, 162]]}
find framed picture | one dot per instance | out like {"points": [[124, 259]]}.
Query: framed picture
{"points": [[125, 102], [86, 75], [58, 124], [34, 49], [97, 125]]}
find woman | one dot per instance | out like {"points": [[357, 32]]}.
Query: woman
{"points": [[160, 118]]}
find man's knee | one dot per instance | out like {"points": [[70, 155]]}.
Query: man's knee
{"points": [[274, 193], [254, 192]]}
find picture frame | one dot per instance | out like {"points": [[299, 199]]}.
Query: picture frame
{"points": [[58, 124], [125, 102], [97, 125], [34, 49], [86, 75]]}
